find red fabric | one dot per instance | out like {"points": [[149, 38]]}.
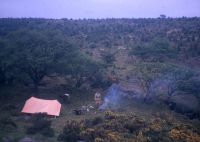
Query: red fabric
{"points": [[35, 105]]}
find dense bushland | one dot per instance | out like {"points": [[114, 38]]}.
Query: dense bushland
{"points": [[31, 49]]}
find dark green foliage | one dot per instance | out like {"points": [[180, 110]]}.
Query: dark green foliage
{"points": [[108, 32], [41, 125], [163, 16], [30, 55], [97, 120], [191, 86], [7, 68], [82, 69], [82, 130], [6, 96], [194, 50], [33, 53], [7, 121], [71, 131], [99, 80], [134, 126], [147, 73], [31, 49], [9, 107], [109, 58], [112, 128], [158, 50]]}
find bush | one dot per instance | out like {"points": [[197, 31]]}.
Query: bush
{"points": [[110, 115], [109, 58], [8, 107], [134, 125], [100, 81], [5, 96], [71, 131], [7, 121], [118, 128], [158, 50], [97, 120], [191, 86], [41, 125]]}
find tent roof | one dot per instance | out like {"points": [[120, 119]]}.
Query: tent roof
{"points": [[35, 105]]}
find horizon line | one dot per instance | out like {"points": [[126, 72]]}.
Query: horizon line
{"points": [[100, 18]]}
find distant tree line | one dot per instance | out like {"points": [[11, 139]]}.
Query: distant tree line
{"points": [[182, 33]]}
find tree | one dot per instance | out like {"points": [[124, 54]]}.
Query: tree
{"points": [[36, 53], [163, 16], [109, 58], [191, 86], [157, 50], [8, 70], [146, 73], [82, 69], [152, 75]]}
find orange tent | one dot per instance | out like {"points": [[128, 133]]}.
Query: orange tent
{"points": [[35, 105]]}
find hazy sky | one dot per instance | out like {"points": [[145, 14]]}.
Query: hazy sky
{"points": [[98, 8]]}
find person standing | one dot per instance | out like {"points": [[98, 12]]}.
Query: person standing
{"points": [[97, 99]]}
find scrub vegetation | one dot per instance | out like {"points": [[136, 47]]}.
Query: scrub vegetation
{"points": [[148, 71]]}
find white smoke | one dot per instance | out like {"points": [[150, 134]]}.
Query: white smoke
{"points": [[113, 98]]}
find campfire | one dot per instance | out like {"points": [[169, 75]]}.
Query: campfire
{"points": [[113, 98]]}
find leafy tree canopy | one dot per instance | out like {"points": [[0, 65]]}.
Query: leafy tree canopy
{"points": [[34, 53]]}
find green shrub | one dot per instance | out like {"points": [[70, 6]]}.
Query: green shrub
{"points": [[157, 50], [109, 58], [110, 115], [191, 86], [7, 121], [71, 131], [134, 126], [9, 107], [5, 96], [97, 120], [41, 125]]}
